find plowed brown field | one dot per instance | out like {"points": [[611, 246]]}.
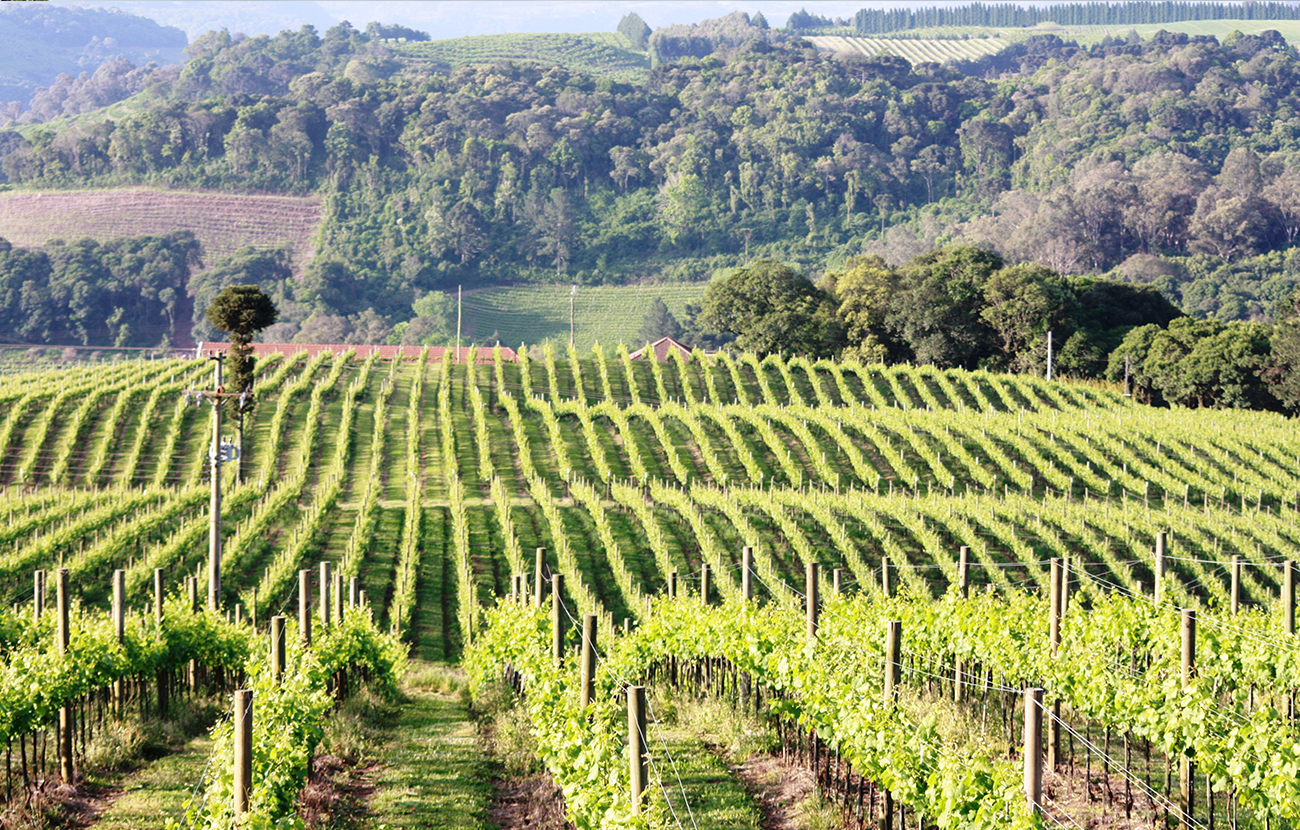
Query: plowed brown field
{"points": [[223, 222]]}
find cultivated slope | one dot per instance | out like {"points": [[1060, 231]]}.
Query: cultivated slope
{"points": [[223, 222]]}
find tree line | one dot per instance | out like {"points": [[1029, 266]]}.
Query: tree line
{"points": [[127, 292], [964, 307]]}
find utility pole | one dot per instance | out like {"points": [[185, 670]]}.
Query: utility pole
{"points": [[214, 529], [459, 294], [1127, 393], [572, 294], [1049, 355], [218, 453]]}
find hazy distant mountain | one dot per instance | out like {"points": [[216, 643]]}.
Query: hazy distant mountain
{"points": [[458, 18], [194, 17], [38, 41]]}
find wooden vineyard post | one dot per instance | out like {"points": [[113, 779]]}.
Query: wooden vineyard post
{"points": [[119, 630], [243, 750], [884, 575], [304, 607], [1054, 620], [672, 584], [159, 597], [339, 603], [324, 602], [963, 590], [837, 581], [1065, 587], [704, 582], [587, 692], [354, 586], [538, 586], [65, 711], [811, 596], [893, 678], [277, 648], [1034, 749], [747, 594], [214, 501], [636, 744], [747, 572], [1160, 566], [963, 571], [1057, 584], [1186, 766], [1288, 597], [1236, 584], [557, 619], [192, 670], [38, 595], [893, 658]]}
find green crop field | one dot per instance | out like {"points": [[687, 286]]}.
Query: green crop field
{"points": [[1024, 535], [600, 53], [1289, 29], [608, 315]]}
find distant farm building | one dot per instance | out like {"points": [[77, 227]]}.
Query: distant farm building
{"points": [[662, 350]]}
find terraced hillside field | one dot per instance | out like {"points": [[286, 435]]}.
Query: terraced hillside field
{"points": [[435, 485], [223, 222]]}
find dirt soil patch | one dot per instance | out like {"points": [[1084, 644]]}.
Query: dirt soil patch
{"points": [[336, 793], [778, 787], [532, 802]]}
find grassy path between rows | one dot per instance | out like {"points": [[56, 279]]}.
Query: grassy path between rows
{"points": [[158, 792], [435, 774], [701, 791]]}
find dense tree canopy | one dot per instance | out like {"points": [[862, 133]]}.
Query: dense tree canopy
{"points": [[1284, 371], [771, 308], [129, 292], [658, 323], [1199, 363]]}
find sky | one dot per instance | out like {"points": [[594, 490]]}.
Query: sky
{"points": [[458, 18]]}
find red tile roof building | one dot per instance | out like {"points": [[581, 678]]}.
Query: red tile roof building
{"points": [[663, 349], [482, 354]]}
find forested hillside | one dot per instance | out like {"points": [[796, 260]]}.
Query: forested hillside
{"points": [[1171, 161], [1174, 147]]}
